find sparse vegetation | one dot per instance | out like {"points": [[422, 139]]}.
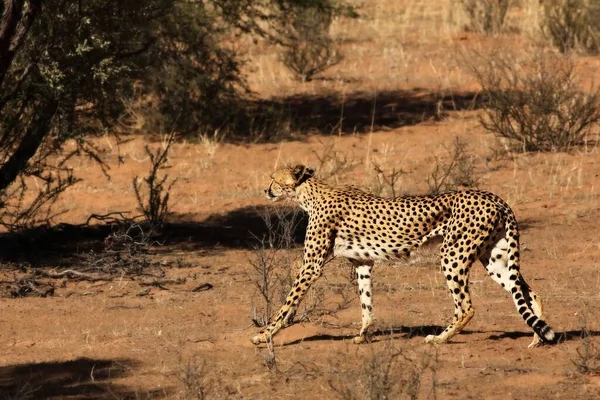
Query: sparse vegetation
{"points": [[386, 373], [19, 212], [538, 104], [92, 279], [456, 169], [386, 180], [68, 73], [155, 204], [269, 357], [332, 162], [573, 25], [274, 265], [273, 260], [587, 360], [195, 380], [211, 144], [308, 48], [486, 16]]}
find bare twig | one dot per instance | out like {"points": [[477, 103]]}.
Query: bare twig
{"points": [[202, 287], [109, 218], [74, 275], [160, 282]]}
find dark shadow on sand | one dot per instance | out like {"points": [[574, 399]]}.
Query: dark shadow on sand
{"points": [[364, 111], [80, 379], [565, 336], [59, 245], [408, 332], [395, 332]]}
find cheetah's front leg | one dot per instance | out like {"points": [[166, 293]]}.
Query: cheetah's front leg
{"points": [[365, 290], [301, 285], [318, 245]]}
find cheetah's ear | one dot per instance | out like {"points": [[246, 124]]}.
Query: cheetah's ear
{"points": [[302, 173]]}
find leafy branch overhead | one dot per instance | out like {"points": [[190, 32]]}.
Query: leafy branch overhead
{"points": [[71, 69]]}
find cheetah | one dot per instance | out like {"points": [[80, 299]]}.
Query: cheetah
{"points": [[474, 225]]}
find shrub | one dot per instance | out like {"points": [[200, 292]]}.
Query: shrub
{"points": [[385, 373], [587, 360], [573, 25], [71, 69], [156, 206], [308, 49], [486, 16], [538, 105]]}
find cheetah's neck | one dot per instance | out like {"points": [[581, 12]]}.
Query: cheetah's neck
{"points": [[308, 193]]}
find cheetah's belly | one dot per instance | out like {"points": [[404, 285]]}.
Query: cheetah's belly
{"points": [[365, 250]]}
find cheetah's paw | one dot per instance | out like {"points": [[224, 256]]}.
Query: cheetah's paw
{"points": [[260, 338], [536, 342], [432, 339], [359, 339]]}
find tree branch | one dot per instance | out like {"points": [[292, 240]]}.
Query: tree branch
{"points": [[33, 138], [11, 14], [33, 7]]}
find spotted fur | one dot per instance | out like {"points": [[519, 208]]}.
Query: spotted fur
{"points": [[474, 224]]}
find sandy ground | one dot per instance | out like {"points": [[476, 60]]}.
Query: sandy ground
{"points": [[108, 339]]}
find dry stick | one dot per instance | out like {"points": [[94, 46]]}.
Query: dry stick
{"points": [[144, 292], [29, 282], [368, 158], [203, 287], [72, 274], [43, 293], [160, 282], [109, 217]]}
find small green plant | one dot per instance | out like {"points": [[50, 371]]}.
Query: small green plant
{"points": [[573, 25], [486, 16], [156, 206], [454, 170]]}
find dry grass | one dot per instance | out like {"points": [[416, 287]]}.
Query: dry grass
{"points": [[384, 372]]}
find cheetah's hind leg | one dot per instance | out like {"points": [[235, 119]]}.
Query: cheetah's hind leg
{"points": [[527, 302], [456, 271]]}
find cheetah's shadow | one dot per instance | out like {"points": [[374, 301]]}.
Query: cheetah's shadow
{"points": [[394, 332], [565, 336], [409, 332]]}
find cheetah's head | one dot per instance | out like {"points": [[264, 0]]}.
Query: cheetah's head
{"points": [[284, 181]]}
